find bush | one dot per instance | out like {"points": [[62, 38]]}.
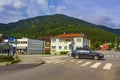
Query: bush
{"points": [[63, 52], [5, 58], [15, 61], [48, 52]]}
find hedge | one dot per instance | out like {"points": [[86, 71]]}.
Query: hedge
{"points": [[5, 58]]}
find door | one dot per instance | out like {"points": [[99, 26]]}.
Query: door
{"points": [[85, 54]]}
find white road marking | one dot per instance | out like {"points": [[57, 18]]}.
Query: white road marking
{"points": [[72, 61], [112, 55], [79, 62], [56, 62], [96, 65], [117, 55], [107, 66], [49, 61], [107, 55], [85, 64]]}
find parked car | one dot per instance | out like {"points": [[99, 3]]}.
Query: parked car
{"points": [[86, 53]]}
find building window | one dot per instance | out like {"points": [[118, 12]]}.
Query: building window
{"points": [[78, 40], [60, 47], [53, 47], [18, 42], [65, 47], [23, 42], [48, 42], [70, 47], [60, 40], [53, 40]]}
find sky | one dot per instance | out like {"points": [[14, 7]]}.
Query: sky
{"points": [[100, 12]]}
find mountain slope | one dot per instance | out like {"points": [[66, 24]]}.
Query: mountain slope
{"points": [[51, 25], [115, 31]]}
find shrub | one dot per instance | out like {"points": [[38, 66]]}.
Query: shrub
{"points": [[63, 52], [15, 61], [48, 52], [5, 58]]}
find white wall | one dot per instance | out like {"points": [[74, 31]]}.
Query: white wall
{"points": [[75, 42], [78, 43], [62, 44]]}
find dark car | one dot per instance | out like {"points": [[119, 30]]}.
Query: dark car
{"points": [[86, 53]]}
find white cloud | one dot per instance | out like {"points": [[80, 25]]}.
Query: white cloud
{"points": [[60, 9], [98, 12], [18, 4], [1, 9], [4, 2], [43, 4]]}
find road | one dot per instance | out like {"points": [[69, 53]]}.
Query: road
{"points": [[66, 68]]}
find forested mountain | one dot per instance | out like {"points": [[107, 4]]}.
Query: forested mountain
{"points": [[51, 25], [116, 31]]}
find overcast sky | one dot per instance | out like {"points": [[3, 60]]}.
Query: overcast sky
{"points": [[101, 12]]}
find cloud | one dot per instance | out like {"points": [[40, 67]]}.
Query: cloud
{"points": [[14, 10], [94, 11]]}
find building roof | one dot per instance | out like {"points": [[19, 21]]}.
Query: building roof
{"points": [[45, 38], [69, 35]]}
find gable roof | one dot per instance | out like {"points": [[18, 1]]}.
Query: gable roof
{"points": [[69, 35]]}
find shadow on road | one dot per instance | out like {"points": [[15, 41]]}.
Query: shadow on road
{"points": [[16, 67]]}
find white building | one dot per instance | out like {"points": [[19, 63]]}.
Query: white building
{"points": [[28, 46], [68, 42]]}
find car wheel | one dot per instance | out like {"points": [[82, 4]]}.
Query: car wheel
{"points": [[96, 58]]}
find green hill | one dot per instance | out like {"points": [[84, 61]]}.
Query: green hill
{"points": [[51, 25]]}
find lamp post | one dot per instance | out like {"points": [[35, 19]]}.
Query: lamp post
{"points": [[16, 46], [116, 42]]}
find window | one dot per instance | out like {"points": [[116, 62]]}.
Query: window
{"points": [[70, 47], [85, 51], [60, 47], [53, 40], [60, 40], [23, 42], [78, 40], [48, 42], [53, 47], [18, 42], [65, 47]]}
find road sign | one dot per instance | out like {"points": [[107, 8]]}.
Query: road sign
{"points": [[11, 40]]}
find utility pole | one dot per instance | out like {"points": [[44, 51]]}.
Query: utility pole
{"points": [[116, 42]]}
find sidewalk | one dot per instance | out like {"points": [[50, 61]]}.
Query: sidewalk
{"points": [[30, 60], [3, 64], [33, 60]]}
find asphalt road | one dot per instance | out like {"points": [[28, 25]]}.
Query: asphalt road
{"points": [[66, 68]]}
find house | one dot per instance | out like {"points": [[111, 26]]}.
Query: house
{"points": [[28, 46], [68, 42]]}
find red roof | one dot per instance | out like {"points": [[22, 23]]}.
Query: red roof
{"points": [[69, 35]]}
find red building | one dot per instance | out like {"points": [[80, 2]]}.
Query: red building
{"points": [[105, 47]]}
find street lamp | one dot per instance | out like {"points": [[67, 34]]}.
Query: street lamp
{"points": [[16, 46]]}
